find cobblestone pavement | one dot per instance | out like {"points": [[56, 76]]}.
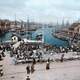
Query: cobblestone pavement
{"points": [[69, 70]]}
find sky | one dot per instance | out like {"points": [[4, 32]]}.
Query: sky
{"points": [[40, 10]]}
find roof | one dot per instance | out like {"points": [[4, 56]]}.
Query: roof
{"points": [[75, 25]]}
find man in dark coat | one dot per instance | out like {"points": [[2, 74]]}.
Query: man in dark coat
{"points": [[32, 68], [34, 61], [1, 58], [28, 69], [47, 66], [62, 57]]}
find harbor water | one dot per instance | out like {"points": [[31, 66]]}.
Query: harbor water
{"points": [[47, 35]]}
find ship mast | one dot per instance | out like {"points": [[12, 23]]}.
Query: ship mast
{"points": [[15, 21], [28, 28]]}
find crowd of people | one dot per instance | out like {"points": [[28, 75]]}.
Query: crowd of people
{"points": [[26, 52]]}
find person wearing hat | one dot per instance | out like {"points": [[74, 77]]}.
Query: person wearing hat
{"points": [[28, 78], [47, 65], [62, 57], [28, 69], [32, 68]]}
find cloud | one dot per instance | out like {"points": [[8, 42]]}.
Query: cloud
{"points": [[40, 10]]}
